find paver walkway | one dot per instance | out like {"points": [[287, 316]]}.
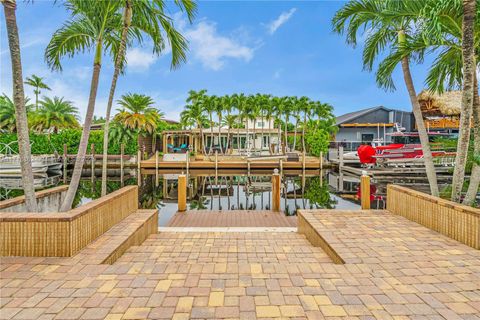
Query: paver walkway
{"points": [[395, 269]]}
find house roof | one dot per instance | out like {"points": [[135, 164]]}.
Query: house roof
{"points": [[347, 117]]}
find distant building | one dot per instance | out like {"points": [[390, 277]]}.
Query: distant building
{"points": [[367, 125]]}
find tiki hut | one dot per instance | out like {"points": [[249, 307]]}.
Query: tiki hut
{"points": [[440, 105]]}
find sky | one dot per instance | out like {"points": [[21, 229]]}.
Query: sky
{"points": [[274, 47]]}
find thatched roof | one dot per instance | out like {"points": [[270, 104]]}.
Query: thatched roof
{"points": [[448, 104]]}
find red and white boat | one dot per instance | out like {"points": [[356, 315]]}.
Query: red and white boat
{"points": [[405, 150]]}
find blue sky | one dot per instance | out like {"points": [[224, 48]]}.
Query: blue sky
{"points": [[276, 47]]}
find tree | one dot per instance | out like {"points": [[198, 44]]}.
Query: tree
{"points": [[9, 7], [138, 113], [386, 31], [468, 54], [93, 25], [37, 83], [442, 34], [55, 114], [8, 120], [148, 18], [209, 107], [194, 112]]}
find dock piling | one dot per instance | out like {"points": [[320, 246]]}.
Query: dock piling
{"points": [[365, 191], [216, 167], [182, 193], [276, 191]]}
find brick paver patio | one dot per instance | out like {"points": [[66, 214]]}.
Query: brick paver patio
{"points": [[395, 269]]}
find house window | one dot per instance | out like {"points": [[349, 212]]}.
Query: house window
{"points": [[260, 124]]}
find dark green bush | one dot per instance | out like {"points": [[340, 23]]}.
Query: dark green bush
{"points": [[48, 144]]}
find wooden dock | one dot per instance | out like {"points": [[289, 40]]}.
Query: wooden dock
{"points": [[233, 218], [311, 163]]}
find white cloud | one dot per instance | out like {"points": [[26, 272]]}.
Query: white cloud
{"points": [[283, 18], [211, 48], [139, 60], [277, 74]]}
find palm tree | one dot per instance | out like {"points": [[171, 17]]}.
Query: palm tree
{"points": [[229, 121], [306, 107], [55, 114], [297, 108], [277, 108], [8, 120], [209, 107], [383, 32], [218, 106], [253, 115], [442, 32], [468, 54], [287, 108], [268, 114], [195, 111], [138, 113], [93, 25], [37, 83], [147, 17], [9, 7], [227, 102]]}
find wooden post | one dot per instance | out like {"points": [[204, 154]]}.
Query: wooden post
{"points": [[281, 166], [92, 149], [156, 168], [65, 163], [187, 165], [340, 156], [139, 158], [365, 190], [122, 151], [276, 191], [182, 193]]}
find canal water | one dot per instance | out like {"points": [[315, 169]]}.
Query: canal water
{"points": [[227, 191]]}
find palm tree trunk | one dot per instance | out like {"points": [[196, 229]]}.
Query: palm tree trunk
{"points": [[203, 141], [36, 100], [20, 110], [82, 148], [279, 143], [247, 140], [468, 56], [220, 133], [254, 136], [422, 132], [303, 131], [262, 134], [295, 134], [238, 138], [211, 134], [286, 137], [473, 187], [127, 19]]}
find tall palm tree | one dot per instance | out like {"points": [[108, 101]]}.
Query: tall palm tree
{"points": [[253, 115], [468, 54], [9, 7], [386, 32], [268, 114], [209, 107], [227, 105], [37, 83], [287, 107], [138, 113], [306, 107], [148, 16], [8, 120], [55, 114], [218, 106], [92, 25], [196, 111], [229, 121], [277, 108], [297, 108], [442, 34]]}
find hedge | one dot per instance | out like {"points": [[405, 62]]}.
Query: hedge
{"points": [[48, 144]]}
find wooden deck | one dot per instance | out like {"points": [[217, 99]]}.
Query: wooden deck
{"points": [[310, 163], [233, 218]]}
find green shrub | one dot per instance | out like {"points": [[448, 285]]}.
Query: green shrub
{"points": [[48, 144]]}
